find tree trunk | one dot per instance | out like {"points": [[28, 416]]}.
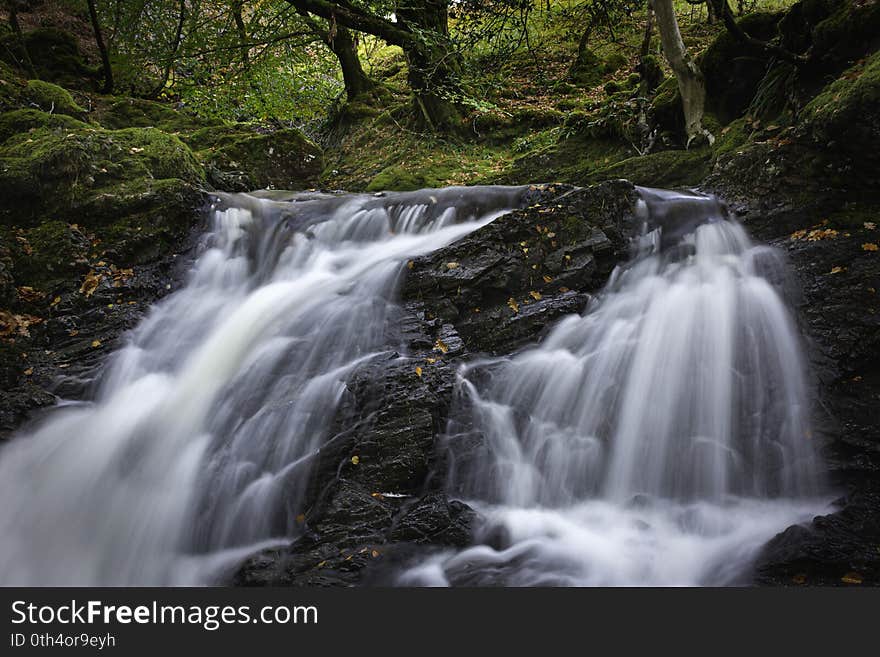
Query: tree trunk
{"points": [[356, 81], [28, 64], [422, 31], [99, 41], [687, 73], [434, 66], [241, 28]]}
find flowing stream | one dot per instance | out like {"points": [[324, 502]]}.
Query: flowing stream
{"points": [[660, 438], [187, 459]]}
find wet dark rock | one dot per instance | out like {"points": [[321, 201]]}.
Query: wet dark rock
{"points": [[840, 549], [502, 284]]}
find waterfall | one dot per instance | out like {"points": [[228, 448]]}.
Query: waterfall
{"points": [[659, 438], [192, 453]]}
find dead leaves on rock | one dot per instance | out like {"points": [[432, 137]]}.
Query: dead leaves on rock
{"points": [[815, 234], [94, 278], [90, 283], [13, 325]]}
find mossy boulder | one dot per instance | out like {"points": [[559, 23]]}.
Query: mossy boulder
{"points": [[21, 121], [61, 168], [140, 113], [844, 36], [734, 70], [402, 179], [589, 69], [845, 119], [50, 254], [666, 108], [51, 98], [663, 169], [55, 56], [242, 157]]}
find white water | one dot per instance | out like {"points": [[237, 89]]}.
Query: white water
{"points": [[659, 439], [193, 453]]}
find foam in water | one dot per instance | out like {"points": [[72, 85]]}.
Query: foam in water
{"points": [[660, 438], [194, 452]]}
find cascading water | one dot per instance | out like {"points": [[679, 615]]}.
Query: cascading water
{"points": [[191, 455], [658, 439]]}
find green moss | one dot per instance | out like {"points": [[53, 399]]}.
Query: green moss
{"points": [[587, 69], [19, 122], [401, 179], [60, 169], [847, 33], [55, 254], [734, 71], [732, 137], [663, 169], [139, 113], [666, 107], [52, 98], [55, 56], [245, 156], [848, 109]]}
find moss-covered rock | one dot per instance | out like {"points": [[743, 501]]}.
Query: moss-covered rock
{"points": [[21, 121], [663, 169], [50, 254], [51, 98], [846, 34], [845, 118], [734, 70], [61, 167], [140, 113], [402, 179], [55, 56], [242, 157], [666, 108]]}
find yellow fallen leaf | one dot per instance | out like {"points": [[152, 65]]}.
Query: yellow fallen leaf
{"points": [[514, 306], [430, 361], [378, 496], [548, 279], [29, 371], [440, 346], [55, 301], [355, 459], [869, 225], [28, 293], [837, 270], [452, 265], [869, 246], [96, 343], [419, 372], [90, 283], [851, 578], [535, 295], [410, 264], [374, 553]]}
